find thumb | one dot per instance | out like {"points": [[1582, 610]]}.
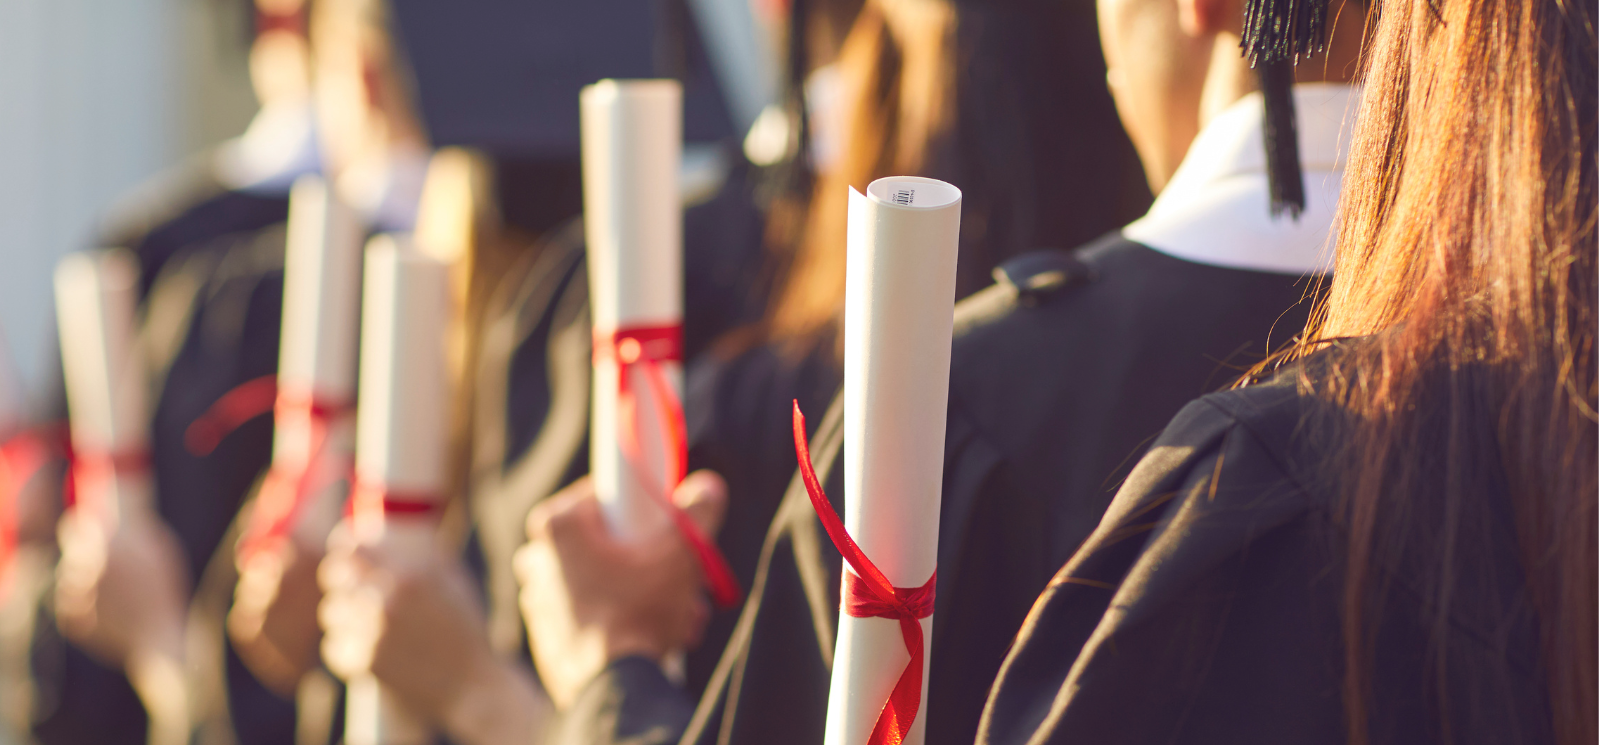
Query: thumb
{"points": [[704, 496]]}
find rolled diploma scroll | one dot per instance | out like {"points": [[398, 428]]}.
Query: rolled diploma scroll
{"points": [[633, 224], [104, 375], [401, 429], [899, 306], [321, 290]]}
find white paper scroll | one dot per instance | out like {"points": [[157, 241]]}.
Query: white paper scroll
{"points": [[103, 370], [401, 431], [321, 300], [633, 224], [899, 304]]}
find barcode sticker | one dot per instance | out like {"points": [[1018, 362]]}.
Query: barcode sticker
{"points": [[905, 196]]}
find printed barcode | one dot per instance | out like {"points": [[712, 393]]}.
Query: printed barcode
{"points": [[905, 196]]}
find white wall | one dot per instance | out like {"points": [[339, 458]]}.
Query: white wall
{"points": [[95, 96]]}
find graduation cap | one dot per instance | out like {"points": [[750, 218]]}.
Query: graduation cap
{"points": [[1277, 35], [503, 75]]}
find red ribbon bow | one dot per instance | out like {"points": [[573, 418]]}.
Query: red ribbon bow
{"points": [[869, 594], [290, 483], [647, 347]]}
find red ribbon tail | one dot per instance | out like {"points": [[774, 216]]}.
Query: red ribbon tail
{"points": [[871, 588], [21, 458], [721, 583], [894, 721], [830, 519], [246, 401]]}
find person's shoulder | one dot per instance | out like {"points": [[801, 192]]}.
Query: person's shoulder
{"points": [[1276, 424], [1016, 343], [158, 200], [1031, 282], [181, 207]]}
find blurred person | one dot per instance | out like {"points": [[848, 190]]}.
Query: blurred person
{"points": [[459, 664], [1060, 375], [913, 98], [212, 323], [975, 95], [195, 214], [242, 184], [1392, 538]]}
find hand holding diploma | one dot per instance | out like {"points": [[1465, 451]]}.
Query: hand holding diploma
{"points": [[633, 224], [401, 623], [400, 477], [121, 588], [412, 620], [273, 622], [589, 598]]}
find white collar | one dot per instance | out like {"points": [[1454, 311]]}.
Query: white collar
{"points": [[279, 146], [387, 191], [1215, 209]]}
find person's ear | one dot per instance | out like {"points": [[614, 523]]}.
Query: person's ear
{"points": [[1200, 18]]}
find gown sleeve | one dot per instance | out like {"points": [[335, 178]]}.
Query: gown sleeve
{"points": [[1200, 610], [630, 703]]}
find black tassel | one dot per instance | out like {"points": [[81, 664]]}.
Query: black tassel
{"points": [[1285, 183], [1283, 30], [1278, 34]]}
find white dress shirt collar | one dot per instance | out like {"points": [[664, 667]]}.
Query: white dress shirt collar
{"points": [[1215, 209], [279, 146]]}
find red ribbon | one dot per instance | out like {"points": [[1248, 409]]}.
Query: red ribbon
{"points": [[21, 458], [291, 482], [647, 347], [869, 594], [369, 498], [89, 472]]}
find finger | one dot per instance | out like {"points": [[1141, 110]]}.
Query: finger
{"points": [[704, 495], [345, 655], [340, 538], [540, 516], [522, 563], [337, 572]]}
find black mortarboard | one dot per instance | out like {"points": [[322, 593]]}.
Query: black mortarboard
{"points": [[503, 75], [1277, 35]]}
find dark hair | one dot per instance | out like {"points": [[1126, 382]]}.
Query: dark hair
{"points": [[1007, 100], [1467, 247]]}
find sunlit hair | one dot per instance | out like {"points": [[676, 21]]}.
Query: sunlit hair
{"points": [[1007, 100], [1466, 256], [896, 101]]}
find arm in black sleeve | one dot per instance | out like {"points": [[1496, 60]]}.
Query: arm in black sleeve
{"points": [[631, 702]]}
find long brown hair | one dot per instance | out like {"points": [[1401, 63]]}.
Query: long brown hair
{"points": [[897, 105], [1466, 255], [1006, 99]]}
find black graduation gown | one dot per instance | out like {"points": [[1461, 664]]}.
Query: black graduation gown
{"points": [[213, 321], [1205, 608], [210, 261], [1061, 374], [186, 207]]}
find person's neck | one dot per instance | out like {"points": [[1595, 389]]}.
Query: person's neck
{"points": [[1230, 77]]}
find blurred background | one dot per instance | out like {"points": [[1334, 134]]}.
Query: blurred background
{"points": [[97, 96]]}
